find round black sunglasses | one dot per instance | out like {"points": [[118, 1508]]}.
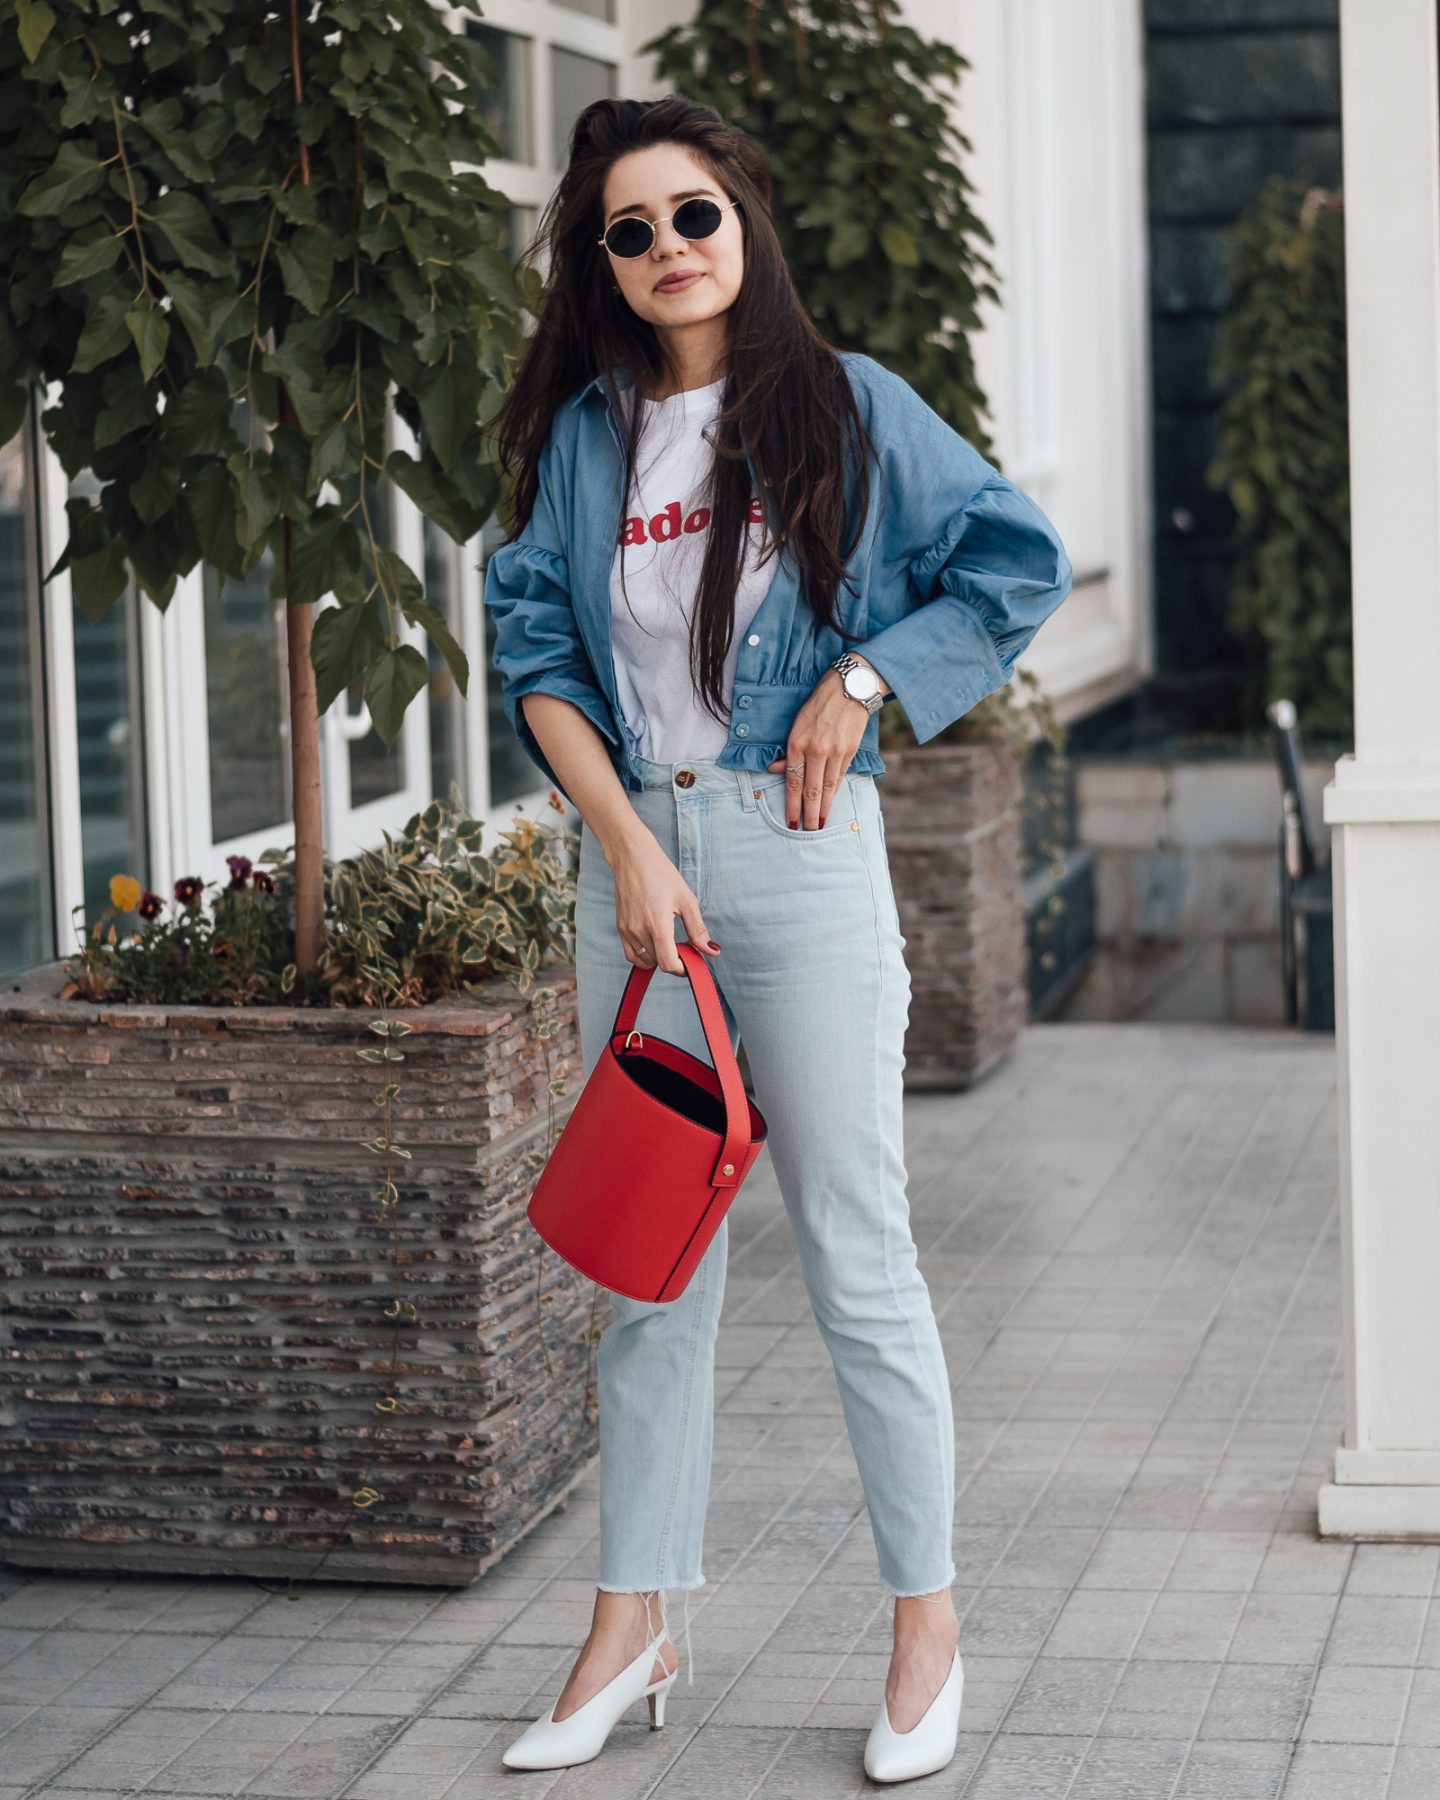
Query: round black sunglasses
{"points": [[633, 236]]}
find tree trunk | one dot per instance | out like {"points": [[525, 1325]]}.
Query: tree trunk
{"points": [[304, 764], [305, 784]]}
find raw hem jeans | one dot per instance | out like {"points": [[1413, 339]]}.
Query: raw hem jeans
{"points": [[812, 976]]}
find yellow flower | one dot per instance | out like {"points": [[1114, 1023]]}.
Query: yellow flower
{"points": [[125, 892]]}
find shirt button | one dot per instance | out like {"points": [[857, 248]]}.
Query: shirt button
{"points": [[744, 699], [742, 731], [754, 638]]}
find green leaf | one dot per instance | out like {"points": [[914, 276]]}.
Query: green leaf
{"points": [[89, 252], [392, 680], [398, 580], [74, 173], [36, 23], [97, 581], [332, 453], [106, 332], [191, 233], [307, 261], [151, 331], [423, 612], [322, 555], [345, 640], [197, 420], [153, 491], [211, 315], [898, 244], [438, 498], [258, 502], [12, 409], [446, 414], [211, 496], [849, 241]]}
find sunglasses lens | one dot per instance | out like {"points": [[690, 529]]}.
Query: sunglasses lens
{"points": [[698, 218], [629, 237]]}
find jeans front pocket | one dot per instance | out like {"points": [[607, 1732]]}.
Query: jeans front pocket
{"points": [[843, 818]]}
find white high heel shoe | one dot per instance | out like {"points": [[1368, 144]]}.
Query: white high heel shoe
{"points": [[892, 1755], [551, 1743]]}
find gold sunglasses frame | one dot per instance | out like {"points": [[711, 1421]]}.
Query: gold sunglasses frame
{"points": [[655, 225]]}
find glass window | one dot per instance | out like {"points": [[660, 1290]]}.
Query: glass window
{"points": [[504, 109], [110, 730], [248, 704], [447, 719], [376, 769], [575, 81], [26, 895]]}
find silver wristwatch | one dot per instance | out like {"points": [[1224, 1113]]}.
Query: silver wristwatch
{"points": [[860, 681]]}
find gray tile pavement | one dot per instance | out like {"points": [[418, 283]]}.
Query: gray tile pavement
{"points": [[1132, 1241]]}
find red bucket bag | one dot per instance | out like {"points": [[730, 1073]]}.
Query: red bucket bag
{"points": [[653, 1153]]}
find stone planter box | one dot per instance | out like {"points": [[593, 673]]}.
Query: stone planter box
{"points": [[953, 828], [196, 1273]]}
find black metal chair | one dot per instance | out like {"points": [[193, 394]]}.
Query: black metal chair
{"points": [[1307, 938]]}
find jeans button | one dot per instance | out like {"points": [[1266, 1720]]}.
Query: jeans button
{"points": [[684, 778]]}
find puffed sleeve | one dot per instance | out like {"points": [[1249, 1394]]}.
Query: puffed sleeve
{"points": [[985, 565], [538, 647]]}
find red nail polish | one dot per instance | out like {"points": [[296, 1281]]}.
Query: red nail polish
{"points": [[822, 824], [713, 945], [794, 824]]}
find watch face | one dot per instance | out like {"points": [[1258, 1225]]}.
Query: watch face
{"points": [[862, 683]]}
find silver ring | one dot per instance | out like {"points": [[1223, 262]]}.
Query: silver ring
{"points": [[794, 768]]}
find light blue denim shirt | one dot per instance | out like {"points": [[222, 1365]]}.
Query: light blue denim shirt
{"points": [[954, 573]]}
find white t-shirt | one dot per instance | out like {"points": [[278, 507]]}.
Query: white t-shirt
{"points": [[665, 534]]}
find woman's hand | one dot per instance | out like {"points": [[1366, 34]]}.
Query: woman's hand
{"points": [[825, 736], [649, 891]]}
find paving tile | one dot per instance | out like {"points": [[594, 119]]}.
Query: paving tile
{"points": [[1019, 1767], [1421, 1729], [1197, 1625], [1258, 1700], [1124, 1769], [136, 1751], [1064, 1696], [1282, 1628], [1099, 1622], [1338, 1772], [1217, 1770], [1156, 1699], [1355, 1705], [1388, 1569], [1416, 1775], [50, 1738], [1376, 1629]]}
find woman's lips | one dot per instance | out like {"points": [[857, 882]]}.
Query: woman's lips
{"points": [[674, 284]]}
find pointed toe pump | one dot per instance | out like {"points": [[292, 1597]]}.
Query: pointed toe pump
{"points": [[892, 1755], [551, 1743]]}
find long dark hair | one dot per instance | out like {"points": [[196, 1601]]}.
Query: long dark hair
{"points": [[787, 398]]}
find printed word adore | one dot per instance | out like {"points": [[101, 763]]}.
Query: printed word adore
{"points": [[669, 523]]}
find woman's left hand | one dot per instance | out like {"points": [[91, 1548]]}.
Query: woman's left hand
{"points": [[825, 736]]}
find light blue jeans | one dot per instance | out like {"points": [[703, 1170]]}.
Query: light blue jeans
{"points": [[812, 976]]}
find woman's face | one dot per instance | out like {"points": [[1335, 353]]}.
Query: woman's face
{"points": [[653, 183]]}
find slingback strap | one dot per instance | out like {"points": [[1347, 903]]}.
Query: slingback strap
{"points": [[707, 999]]}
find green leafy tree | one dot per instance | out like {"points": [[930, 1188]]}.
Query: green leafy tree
{"points": [[234, 237], [1284, 454], [871, 201]]}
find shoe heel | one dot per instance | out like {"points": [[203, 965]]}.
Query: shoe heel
{"points": [[657, 1707]]}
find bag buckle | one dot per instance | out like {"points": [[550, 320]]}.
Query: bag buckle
{"points": [[638, 1036]]}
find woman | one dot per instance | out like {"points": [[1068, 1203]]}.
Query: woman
{"points": [[737, 543]]}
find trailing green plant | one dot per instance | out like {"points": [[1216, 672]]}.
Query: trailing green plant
{"points": [[235, 237], [1283, 448]]}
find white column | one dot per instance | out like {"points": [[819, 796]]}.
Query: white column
{"points": [[1384, 802]]}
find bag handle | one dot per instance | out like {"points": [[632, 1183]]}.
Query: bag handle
{"points": [[707, 1000]]}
